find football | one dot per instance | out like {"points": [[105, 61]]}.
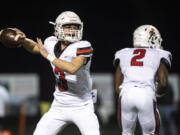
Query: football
{"points": [[7, 38]]}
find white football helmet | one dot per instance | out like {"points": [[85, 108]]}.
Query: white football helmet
{"points": [[68, 17], [147, 36]]}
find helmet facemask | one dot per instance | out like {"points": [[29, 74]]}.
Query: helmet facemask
{"points": [[71, 36], [68, 18]]}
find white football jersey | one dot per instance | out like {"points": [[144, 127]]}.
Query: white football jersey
{"points": [[72, 90], [139, 65]]}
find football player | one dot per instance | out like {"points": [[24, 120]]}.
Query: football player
{"points": [[137, 71], [70, 58]]}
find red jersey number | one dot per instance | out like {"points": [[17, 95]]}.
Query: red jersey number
{"points": [[62, 83], [138, 55]]}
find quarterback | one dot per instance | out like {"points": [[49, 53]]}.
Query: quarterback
{"points": [[70, 59]]}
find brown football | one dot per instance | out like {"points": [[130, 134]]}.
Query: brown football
{"points": [[7, 38]]}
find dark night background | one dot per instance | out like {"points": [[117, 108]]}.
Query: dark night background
{"points": [[108, 25]]}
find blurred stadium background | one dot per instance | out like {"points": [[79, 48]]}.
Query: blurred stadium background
{"points": [[108, 25]]}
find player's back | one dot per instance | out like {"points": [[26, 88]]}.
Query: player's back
{"points": [[139, 65]]}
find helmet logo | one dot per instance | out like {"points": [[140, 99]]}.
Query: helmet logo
{"points": [[152, 36], [152, 33]]}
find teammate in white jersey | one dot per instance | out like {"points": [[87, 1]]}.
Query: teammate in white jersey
{"points": [[70, 58], [138, 70]]}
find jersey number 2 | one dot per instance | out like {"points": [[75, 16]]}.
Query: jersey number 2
{"points": [[62, 82], [138, 55]]}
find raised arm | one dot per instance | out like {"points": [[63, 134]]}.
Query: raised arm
{"points": [[30, 45]]}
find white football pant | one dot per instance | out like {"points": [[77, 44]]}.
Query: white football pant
{"points": [[57, 118]]}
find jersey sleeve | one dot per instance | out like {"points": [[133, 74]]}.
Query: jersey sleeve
{"points": [[84, 48], [166, 58], [116, 60], [119, 55]]}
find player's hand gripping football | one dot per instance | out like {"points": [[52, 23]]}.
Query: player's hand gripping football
{"points": [[19, 34], [12, 37]]}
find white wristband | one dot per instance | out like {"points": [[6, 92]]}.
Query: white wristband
{"points": [[51, 58]]}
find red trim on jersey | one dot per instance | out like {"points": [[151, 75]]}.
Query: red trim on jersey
{"points": [[85, 51]]}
